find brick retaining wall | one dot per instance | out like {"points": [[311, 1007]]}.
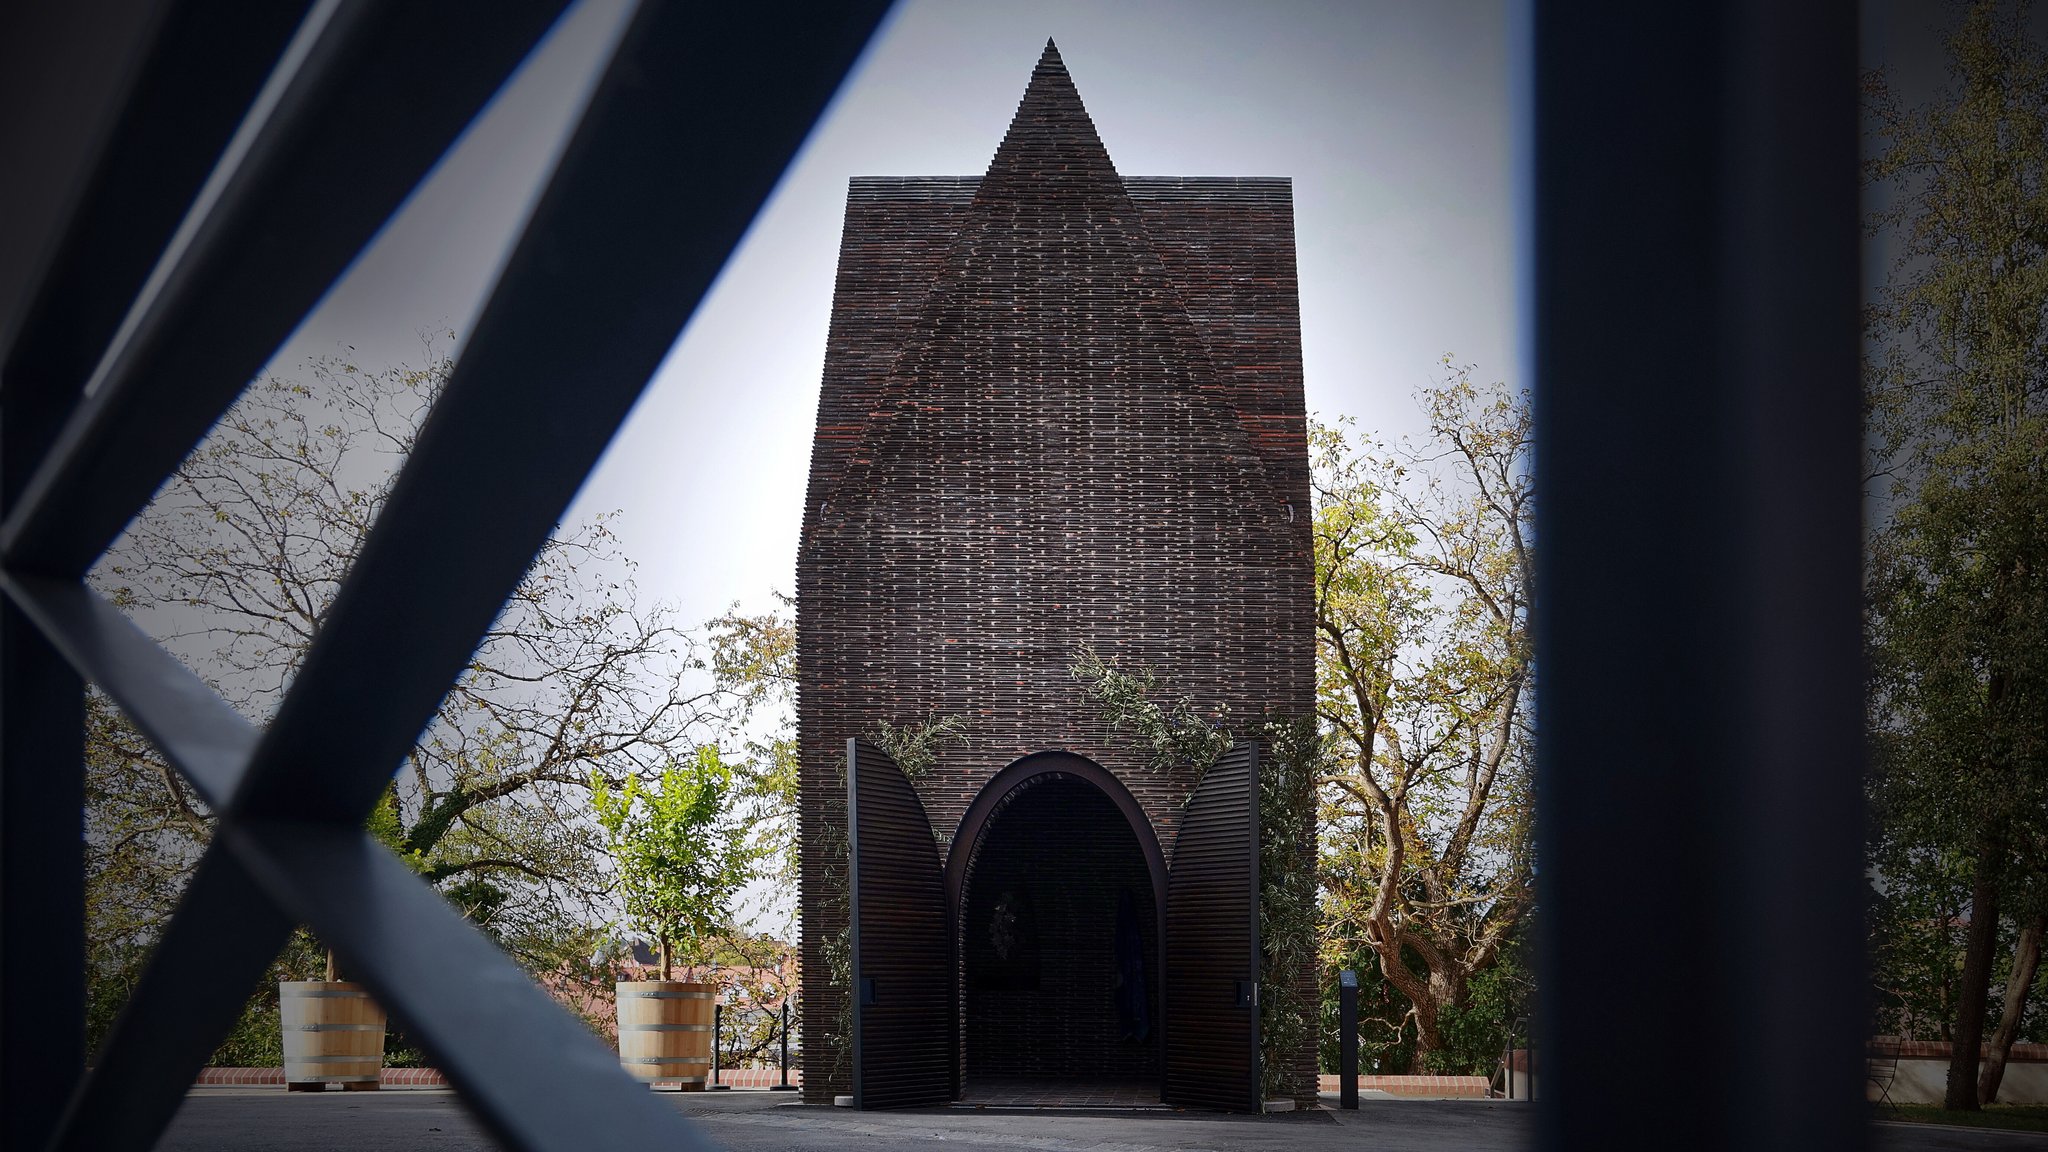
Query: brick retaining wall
{"points": [[1939, 1050], [432, 1077], [1462, 1087]]}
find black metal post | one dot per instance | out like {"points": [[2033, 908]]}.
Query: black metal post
{"points": [[1508, 1061], [785, 1086], [717, 1039], [42, 823], [1347, 1038], [1529, 1058], [1695, 319], [42, 876]]}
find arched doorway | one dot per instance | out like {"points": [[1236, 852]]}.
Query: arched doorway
{"points": [[1056, 886]]}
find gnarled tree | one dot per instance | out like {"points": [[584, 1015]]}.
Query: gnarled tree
{"points": [[235, 564], [1425, 677]]}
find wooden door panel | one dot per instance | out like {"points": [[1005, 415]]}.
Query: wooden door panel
{"points": [[1212, 941], [902, 949]]}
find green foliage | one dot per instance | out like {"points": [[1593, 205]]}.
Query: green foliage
{"points": [[257, 1040], [1287, 899], [1174, 735], [680, 855], [1499, 1007], [1425, 679], [1916, 938], [234, 565], [1475, 1030], [1386, 1042], [836, 872], [753, 666], [915, 746], [1957, 579], [144, 830]]}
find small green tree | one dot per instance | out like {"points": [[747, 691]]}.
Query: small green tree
{"points": [[681, 854]]}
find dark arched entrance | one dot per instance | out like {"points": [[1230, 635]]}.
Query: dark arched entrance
{"points": [[1056, 887]]}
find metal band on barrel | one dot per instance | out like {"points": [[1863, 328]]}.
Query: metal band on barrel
{"points": [[334, 1027], [664, 1027]]}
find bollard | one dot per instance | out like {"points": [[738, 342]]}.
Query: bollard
{"points": [[1509, 1060], [717, 1030], [785, 1086], [1347, 1039]]}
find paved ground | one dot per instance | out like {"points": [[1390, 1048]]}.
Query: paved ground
{"points": [[998, 1093], [237, 1119]]}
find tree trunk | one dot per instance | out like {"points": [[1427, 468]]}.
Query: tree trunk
{"points": [[2026, 960], [1979, 943], [332, 973], [666, 956], [1443, 992]]}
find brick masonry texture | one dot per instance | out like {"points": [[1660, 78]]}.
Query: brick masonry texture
{"points": [[1060, 407]]}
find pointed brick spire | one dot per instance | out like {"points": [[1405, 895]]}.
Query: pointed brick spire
{"points": [[1051, 141], [1052, 331]]}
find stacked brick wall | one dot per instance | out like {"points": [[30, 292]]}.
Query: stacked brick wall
{"points": [[1060, 408]]}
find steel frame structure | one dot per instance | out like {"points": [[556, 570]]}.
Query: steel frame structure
{"points": [[257, 152], [1697, 447]]}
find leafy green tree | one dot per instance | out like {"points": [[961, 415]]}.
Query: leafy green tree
{"points": [[680, 853], [234, 565], [1424, 678], [753, 664], [1958, 568]]}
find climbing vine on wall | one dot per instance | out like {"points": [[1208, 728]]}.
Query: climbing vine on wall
{"points": [[1287, 901], [838, 947], [1173, 735], [915, 746]]}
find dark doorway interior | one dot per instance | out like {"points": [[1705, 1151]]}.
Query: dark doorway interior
{"points": [[1060, 945]]}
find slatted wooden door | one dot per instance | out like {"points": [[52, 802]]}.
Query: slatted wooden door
{"points": [[903, 1018], [1212, 941]]}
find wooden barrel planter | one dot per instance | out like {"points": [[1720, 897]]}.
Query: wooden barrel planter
{"points": [[665, 1031], [333, 1034]]}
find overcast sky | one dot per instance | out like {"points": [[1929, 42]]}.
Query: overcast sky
{"points": [[1391, 119]]}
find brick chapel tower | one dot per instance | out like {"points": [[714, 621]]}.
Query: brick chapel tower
{"points": [[1061, 408]]}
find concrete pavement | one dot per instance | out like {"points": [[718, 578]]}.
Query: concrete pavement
{"points": [[239, 1119]]}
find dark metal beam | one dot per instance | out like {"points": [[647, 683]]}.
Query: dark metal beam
{"points": [[74, 64], [206, 62], [198, 733], [532, 1074], [211, 957], [42, 880], [1695, 314], [367, 97], [649, 201], [653, 193]]}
